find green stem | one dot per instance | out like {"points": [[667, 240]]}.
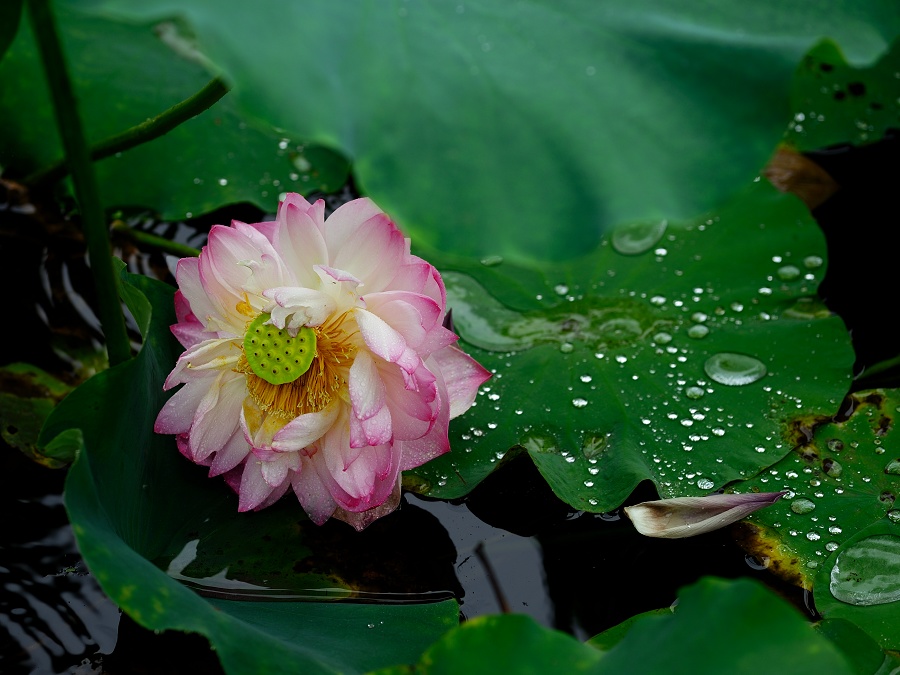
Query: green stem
{"points": [[71, 131], [142, 133], [153, 241]]}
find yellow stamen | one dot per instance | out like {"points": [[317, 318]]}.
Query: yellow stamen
{"points": [[244, 307]]}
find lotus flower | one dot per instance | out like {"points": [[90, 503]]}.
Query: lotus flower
{"points": [[316, 359], [681, 517]]}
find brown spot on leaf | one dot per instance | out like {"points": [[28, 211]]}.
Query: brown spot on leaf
{"points": [[765, 545]]}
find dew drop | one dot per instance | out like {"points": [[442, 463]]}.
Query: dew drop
{"points": [[698, 331], [811, 262], [705, 484], [637, 238], [492, 260], [832, 546], [832, 468], [813, 536], [579, 402], [893, 515], [223, 182], [734, 370], [802, 506], [566, 347], [893, 467], [835, 445], [699, 317], [662, 338], [585, 378], [694, 392], [788, 273], [561, 289], [868, 572]]}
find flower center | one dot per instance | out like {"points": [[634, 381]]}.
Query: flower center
{"points": [[310, 373], [274, 355]]}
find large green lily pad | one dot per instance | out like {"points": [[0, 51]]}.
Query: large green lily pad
{"points": [[123, 74], [132, 499], [527, 131], [605, 368]]}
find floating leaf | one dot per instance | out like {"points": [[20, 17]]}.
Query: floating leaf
{"points": [[678, 365], [526, 133], [726, 626], [738, 627], [837, 103], [842, 476], [133, 500], [123, 75]]}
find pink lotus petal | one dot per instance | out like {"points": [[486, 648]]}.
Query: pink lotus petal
{"points": [[178, 413], [385, 342], [362, 519], [230, 455], [300, 241], [462, 375], [366, 387], [297, 307], [375, 252], [218, 416], [312, 493], [342, 225], [305, 430], [253, 489], [689, 516]]}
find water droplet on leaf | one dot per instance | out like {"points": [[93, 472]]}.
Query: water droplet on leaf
{"points": [[637, 238], [868, 572], [698, 331], [734, 370], [802, 506]]}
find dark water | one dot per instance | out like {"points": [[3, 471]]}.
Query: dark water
{"points": [[511, 546]]}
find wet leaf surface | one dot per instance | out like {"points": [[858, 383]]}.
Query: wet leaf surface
{"points": [[678, 364], [526, 134], [842, 476], [125, 74], [860, 582], [835, 102]]}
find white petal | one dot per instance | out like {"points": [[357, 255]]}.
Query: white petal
{"points": [[689, 516], [304, 430]]}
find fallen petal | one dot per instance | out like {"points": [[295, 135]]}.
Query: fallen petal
{"points": [[689, 516]]}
